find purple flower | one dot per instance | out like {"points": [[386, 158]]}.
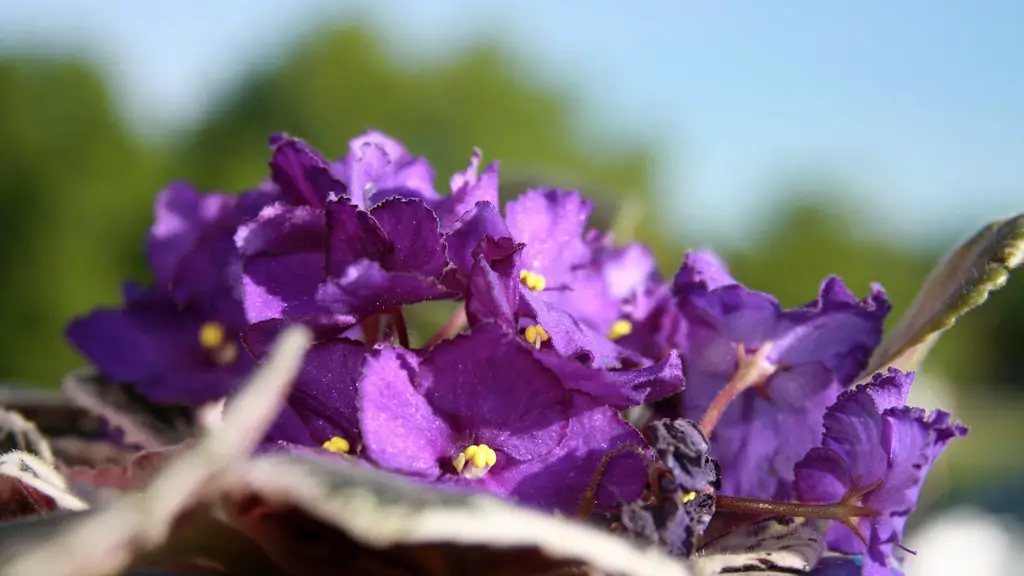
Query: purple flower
{"points": [[356, 238], [172, 354], [569, 268], [501, 291], [792, 364], [178, 341], [481, 411], [875, 453], [494, 299]]}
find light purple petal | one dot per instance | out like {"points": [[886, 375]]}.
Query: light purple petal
{"points": [[551, 224], [468, 189], [401, 430]]}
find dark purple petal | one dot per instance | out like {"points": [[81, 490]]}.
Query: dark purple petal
{"points": [[366, 288], [489, 387], [301, 174], [481, 222], [619, 389], [283, 262], [325, 396], [559, 481], [401, 430], [493, 291], [416, 241], [551, 223], [353, 235], [153, 345], [181, 216]]}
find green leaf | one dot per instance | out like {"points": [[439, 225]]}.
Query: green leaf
{"points": [[961, 281]]}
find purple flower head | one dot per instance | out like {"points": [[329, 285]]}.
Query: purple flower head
{"points": [[503, 290], [494, 299], [178, 341], [481, 411], [172, 354], [788, 365], [569, 268], [191, 249], [875, 453]]}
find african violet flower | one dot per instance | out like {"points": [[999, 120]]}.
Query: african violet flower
{"points": [[177, 341], [783, 367], [354, 238], [874, 454], [502, 290], [480, 410]]}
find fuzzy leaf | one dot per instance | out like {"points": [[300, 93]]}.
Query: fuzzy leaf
{"points": [[961, 281]]}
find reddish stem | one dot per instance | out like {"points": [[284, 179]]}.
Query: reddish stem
{"points": [[371, 330], [843, 511], [586, 505], [453, 326], [398, 323], [751, 371]]}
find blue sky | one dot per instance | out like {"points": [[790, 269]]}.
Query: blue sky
{"points": [[918, 107]]}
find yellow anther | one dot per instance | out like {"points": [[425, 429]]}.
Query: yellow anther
{"points": [[536, 335], [212, 335], [532, 280], [619, 329], [480, 458], [688, 497], [338, 445]]}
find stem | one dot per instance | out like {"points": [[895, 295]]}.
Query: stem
{"points": [[839, 511], [843, 511], [751, 371], [398, 323], [453, 326], [371, 330], [586, 505]]}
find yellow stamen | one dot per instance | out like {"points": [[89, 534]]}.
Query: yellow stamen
{"points": [[212, 335], [536, 335], [338, 445], [532, 280], [479, 457], [619, 329], [688, 497]]}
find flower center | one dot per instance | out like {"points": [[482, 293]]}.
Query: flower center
{"points": [[475, 461], [213, 339], [532, 280], [338, 445], [536, 335], [619, 329]]}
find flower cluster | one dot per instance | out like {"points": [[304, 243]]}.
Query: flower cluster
{"points": [[558, 335]]}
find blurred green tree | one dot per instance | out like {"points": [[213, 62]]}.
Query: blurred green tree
{"points": [[77, 188]]}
